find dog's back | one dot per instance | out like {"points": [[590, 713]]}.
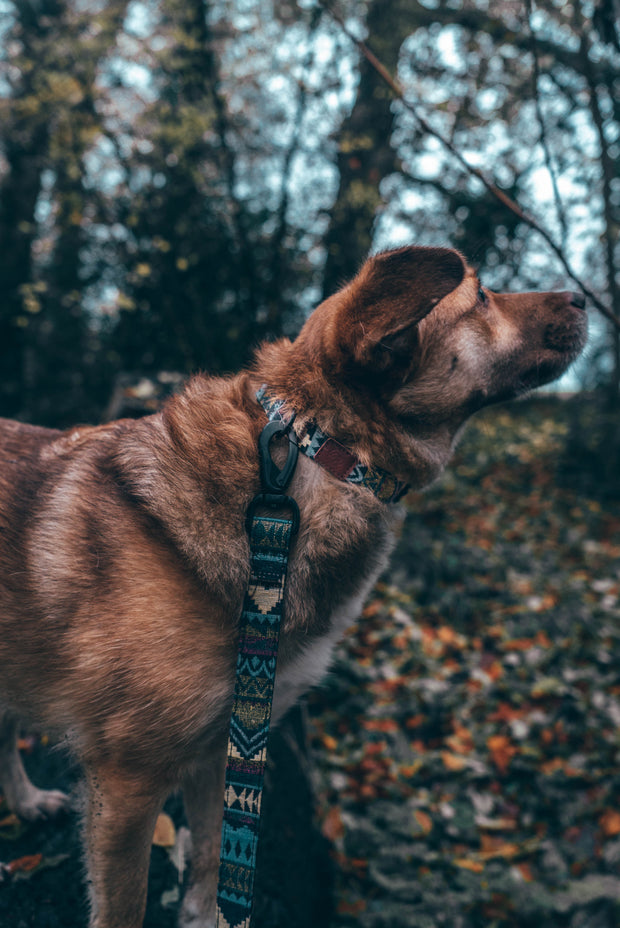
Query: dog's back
{"points": [[23, 477], [20, 471]]}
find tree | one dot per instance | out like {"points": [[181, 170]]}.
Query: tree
{"points": [[366, 155], [48, 123], [177, 246], [526, 94], [178, 181]]}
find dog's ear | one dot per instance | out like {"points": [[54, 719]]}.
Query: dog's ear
{"points": [[394, 290]]}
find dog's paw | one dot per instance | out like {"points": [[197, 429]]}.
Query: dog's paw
{"points": [[37, 804]]}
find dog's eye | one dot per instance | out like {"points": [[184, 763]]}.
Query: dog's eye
{"points": [[482, 296]]}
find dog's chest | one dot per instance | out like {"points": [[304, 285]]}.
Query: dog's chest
{"points": [[344, 544], [313, 655]]}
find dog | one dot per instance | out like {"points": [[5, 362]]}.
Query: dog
{"points": [[124, 555]]}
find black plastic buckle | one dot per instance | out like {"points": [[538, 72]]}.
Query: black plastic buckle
{"points": [[274, 479]]}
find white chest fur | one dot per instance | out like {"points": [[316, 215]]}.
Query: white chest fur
{"points": [[310, 666]]}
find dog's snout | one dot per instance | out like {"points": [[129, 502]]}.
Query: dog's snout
{"points": [[577, 299]]}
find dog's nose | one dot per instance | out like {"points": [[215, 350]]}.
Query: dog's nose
{"points": [[578, 300]]}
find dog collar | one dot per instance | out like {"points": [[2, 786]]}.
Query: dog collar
{"points": [[335, 458]]}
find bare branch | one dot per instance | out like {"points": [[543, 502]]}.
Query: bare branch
{"points": [[541, 122], [608, 170], [499, 194]]}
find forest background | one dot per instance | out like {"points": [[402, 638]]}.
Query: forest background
{"points": [[179, 180]]}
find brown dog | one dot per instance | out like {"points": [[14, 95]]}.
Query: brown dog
{"points": [[124, 555]]}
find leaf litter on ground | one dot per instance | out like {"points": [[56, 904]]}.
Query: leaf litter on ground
{"points": [[467, 742]]}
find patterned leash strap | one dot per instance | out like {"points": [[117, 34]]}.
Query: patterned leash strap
{"points": [[270, 540]]}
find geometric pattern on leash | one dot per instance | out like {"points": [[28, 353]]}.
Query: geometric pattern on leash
{"points": [[257, 653]]}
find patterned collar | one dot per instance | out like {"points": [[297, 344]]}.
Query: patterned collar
{"points": [[337, 459]]}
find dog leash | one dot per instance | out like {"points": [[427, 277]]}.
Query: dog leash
{"points": [[270, 540]]}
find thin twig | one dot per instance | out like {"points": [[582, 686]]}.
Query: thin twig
{"points": [[503, 198]]}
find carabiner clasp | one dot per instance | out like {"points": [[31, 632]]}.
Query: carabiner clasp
{"points": [[273, 478]]}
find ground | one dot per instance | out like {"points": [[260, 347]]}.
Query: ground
{"points": [[462, 757]]}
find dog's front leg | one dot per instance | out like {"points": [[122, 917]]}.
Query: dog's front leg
{"points": [[21, 795], [120, 815], [203, 795]]}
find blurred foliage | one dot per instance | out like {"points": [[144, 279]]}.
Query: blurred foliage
{"points": [[467, 741], [590, 459], [181, 180]]}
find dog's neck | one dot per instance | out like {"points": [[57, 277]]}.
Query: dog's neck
{"points": [[332, 455], [354, 419]]}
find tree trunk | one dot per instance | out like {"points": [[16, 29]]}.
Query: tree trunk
{"points": [[365, 155]]}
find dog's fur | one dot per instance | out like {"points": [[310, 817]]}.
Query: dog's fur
{"points": [[124, 557]]}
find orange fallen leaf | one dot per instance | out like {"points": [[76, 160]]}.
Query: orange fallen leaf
{"points": [[375, 747], [10, 821], [447, 635], [25, 864], [497, 824], [517, 644], [453, 761], [384, 725], [165, 832], [526, 871], [333, 826], [466, 863], [549, 601], [494, 846], [410, 770], [462, 741], [372, 608], [494, 671], [389, 686], [354, 908], [502, 751], [610, 823], [505, 712], [424, 821], [552, 766], [451, 666], [431, 645]]}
